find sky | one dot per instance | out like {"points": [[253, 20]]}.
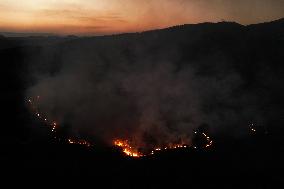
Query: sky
{"points": [[99, 17]]}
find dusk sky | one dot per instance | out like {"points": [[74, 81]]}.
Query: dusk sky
{"points": [[97, 17]]}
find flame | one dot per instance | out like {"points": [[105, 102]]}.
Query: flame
{"points": [[125, 145], [53, 124], [208, 139], [210, 142], [79, 142], [127, 148], [133, 152]]}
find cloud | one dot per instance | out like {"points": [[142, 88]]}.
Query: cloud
{"points": [[80, 15], [129, 15]]}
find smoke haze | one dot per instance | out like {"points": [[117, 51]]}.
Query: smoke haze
{"points": [[153, 88]]}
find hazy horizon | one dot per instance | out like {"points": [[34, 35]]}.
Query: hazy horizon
{"points": [[91, 17], [35, 34]]}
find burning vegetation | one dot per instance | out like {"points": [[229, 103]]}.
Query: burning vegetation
{"points": [[130, 150], [201, 140], [127, 147], [53, 125]]}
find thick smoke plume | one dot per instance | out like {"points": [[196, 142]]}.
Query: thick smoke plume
{"points": [[143, 88]]}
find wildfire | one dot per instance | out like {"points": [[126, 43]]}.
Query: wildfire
{"points": [[53, 124], [207, 138], [210, 142], [127, 148], [133, 152], [35, 110], [79, 142]]}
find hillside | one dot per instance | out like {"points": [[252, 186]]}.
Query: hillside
{"points": [[224, 75]]}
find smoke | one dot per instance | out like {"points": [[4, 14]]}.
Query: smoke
{"points": [[121, 87]]}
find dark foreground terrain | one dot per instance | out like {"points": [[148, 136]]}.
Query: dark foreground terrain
{"points": [[255, 164], [251, 160]]}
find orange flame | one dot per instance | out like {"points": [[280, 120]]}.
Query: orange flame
{"points": [[133, 152], [125, 145], [127, 149], [53, 124]]}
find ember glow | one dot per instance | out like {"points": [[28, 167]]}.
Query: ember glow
{"points": [[209, 141], [132, 151], [79, 142], [127, 148], [34, 108], [125, 145], [53, 125]]}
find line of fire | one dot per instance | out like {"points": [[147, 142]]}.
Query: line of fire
{"points": [[201, 140]]}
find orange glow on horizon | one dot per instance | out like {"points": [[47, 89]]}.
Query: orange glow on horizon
{"points": [[96, 17]]}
